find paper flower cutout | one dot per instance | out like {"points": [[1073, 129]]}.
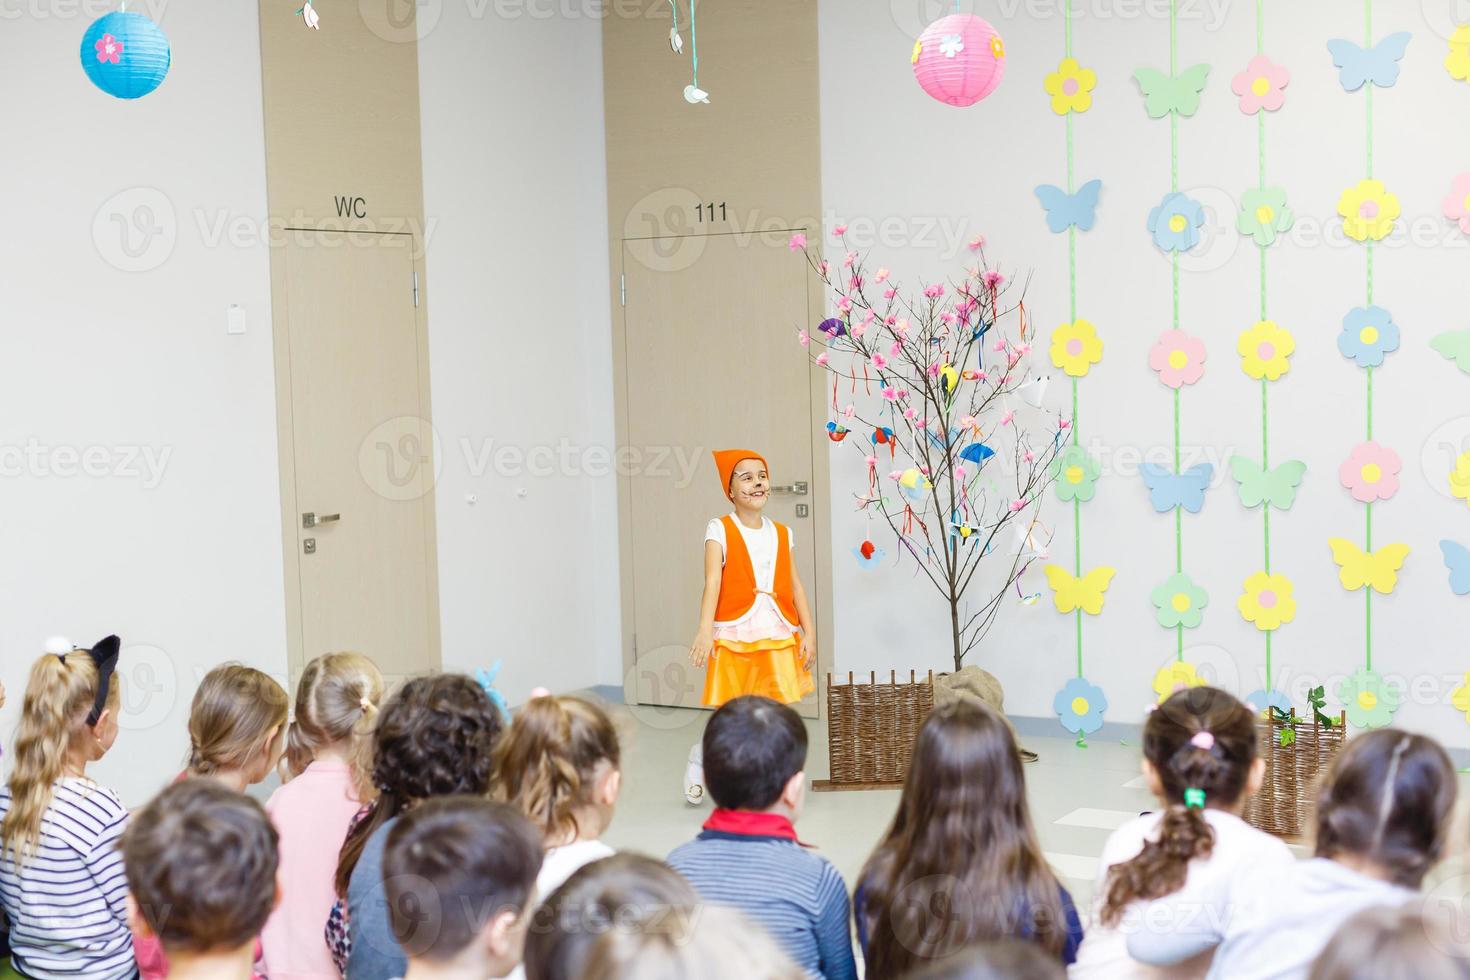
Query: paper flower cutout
{"points": [[1267, 601], [1455, 346], [1176, 677], [1359, 65], [1369, 700], [1459, 697], [918, 50], [997, 46], [1260, 699], [1070, 87], [1457, 62], [1076, 473], [1456, 204], [1368, 333], [1079, 706], [1176, 222], [868, 555], [1075, 347], [1263, 214], [1358, 569], [1085, 593], [1264, 350], [1168, 490], [1179, 602], [1163, 94], [1261, 86], [1460, 478], [1255, 485], [1178, 358], [1368, 211], [951, 45], [1063, 210], [1371, 472], [1457, 560], [109, 49]]}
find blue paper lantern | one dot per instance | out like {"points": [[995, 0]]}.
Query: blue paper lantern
{"points": [[125, 55]]}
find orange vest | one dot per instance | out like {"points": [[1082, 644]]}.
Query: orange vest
{"points": [[737, 582]]}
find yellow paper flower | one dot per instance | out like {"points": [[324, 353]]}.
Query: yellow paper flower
{"points": [[1368, 211], [1460, 696], [1267, 601], [918, 50], [1457, 62], [1264, 350], [1460, 478], [1075, 347], [1070, 87], [997, 46], [1176, 677]]}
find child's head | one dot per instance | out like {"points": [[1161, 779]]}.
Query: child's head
{"points": [[755, 756], [1007, 959], [68, 718], [237, 723], [962, 839], [559, 765], [1395, 943], [744, 477], [458, 875], [1386, 800], [434, 737], [337, 703], [1199, 750], [201, 868]]}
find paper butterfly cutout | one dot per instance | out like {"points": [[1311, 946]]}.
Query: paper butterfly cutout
{"points": [[1277, 487], [1260, 699], [836, 432], [1085, 593], [1457, 560], [1167, 490], [1064, 210], [486, 679], [938, 441], [1358, 65], [1379, 570], [868, 555], [976, 452], [1454, 346], [1163, 95]]}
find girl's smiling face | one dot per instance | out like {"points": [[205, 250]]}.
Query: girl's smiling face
{"points": [[750, 486]]}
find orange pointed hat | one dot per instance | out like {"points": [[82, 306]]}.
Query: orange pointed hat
{"points": [[727, 459]]}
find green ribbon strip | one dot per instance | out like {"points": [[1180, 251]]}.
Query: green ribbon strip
{"points": [[1368, 518], [1072, 298]]}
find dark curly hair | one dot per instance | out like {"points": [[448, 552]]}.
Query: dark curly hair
{"points": [[434, 737]]}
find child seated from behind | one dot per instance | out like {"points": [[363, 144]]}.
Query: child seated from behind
{"points": [[459, 876], [201, 867], [748, 855], [1404, 943]]}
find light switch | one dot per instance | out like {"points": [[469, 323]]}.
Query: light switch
{"points": [[235, 319]]}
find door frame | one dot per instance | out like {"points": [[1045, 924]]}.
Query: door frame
{"points": [[820, 591], [296, 657]]}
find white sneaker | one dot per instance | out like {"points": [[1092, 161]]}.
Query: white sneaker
{"points": [[694, 776]]}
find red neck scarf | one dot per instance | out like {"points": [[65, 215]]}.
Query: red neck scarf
{"points": [[747, 823]]}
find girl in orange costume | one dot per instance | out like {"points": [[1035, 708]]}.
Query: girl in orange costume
{"points": [[755, 628]]}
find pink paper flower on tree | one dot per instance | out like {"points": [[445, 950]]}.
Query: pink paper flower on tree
{"points": [[839, 230], [798, 241], [1371, 472], [1178, 358], [1261, 86], [994, 279], [1457, 203]]}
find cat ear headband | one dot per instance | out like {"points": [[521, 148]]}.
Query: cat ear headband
{"points": [[104, 656]]}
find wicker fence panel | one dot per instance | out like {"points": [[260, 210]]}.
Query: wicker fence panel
{"points": [[871, 726], [1284, 804]]}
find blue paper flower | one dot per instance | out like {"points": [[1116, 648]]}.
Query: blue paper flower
{"points": [[1261, 699], [1176, 222], [1079, 706], [1368, 333]]}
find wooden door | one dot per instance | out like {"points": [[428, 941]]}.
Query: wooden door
{"points": [[711, 363], [362, 456]]}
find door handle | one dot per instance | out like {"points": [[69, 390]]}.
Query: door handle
{"points": [[310, 519], [797, 489]]}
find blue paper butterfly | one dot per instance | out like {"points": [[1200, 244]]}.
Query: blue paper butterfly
{"points": [[1167, 490], [1261, 699], [1457, 560], [1064, 210], [1379, 65], [938, 441], [976, 452]]}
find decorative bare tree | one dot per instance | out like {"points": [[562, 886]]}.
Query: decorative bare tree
{"points": [[941, 381]]}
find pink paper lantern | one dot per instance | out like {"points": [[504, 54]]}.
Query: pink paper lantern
{"points": [[959, 59]]}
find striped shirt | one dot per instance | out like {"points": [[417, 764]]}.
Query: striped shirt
{"points": [[68, 905], [796, 896]]}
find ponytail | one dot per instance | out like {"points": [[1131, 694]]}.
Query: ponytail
{"points": [[336, 704], [233, 716], [548, 765]]}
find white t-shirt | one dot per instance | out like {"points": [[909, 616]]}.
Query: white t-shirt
{"points": [[765, 617], [1104, 952], [559, 864]]}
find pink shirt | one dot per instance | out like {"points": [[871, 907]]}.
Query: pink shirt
{"points": [[311, 813]]}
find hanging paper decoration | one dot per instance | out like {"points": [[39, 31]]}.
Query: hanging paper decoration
{"points": [[1070, 210], [1261, 86], [1460, 697], [693, 94], [310, 17], [1079, 706], [1070, 87], [1276, 487], [1456, 204], [1179, 602], [1359, 569], [959, 59], [836, 432], [1085, 592], [1175, 677], [832, 327], [126, 55], [1264, 214], [1165, 94], [1168, 490], [1457, 560], [1457, 62], [1371, 472], [1378, 64], [1267, 601], [1455, 346], [868, 555], [1369, 700]]}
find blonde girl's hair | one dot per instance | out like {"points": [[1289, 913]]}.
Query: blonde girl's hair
{"points": [[548, 764], [232, 717], [337, 701], [60, 694]]}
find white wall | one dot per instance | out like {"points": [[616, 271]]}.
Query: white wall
{"points": [[185, 565], [888, 150], [520, 342]]}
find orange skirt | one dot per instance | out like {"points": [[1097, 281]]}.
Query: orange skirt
{"points": [[770, 668]]}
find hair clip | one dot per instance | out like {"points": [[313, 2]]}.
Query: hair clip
{"points": [[365, 704], [104, 656], [1203, 740], [59, 647], [1194, 797]]}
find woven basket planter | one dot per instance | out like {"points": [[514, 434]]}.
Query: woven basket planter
{"points": [[1284, 804], [871, 728]]}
